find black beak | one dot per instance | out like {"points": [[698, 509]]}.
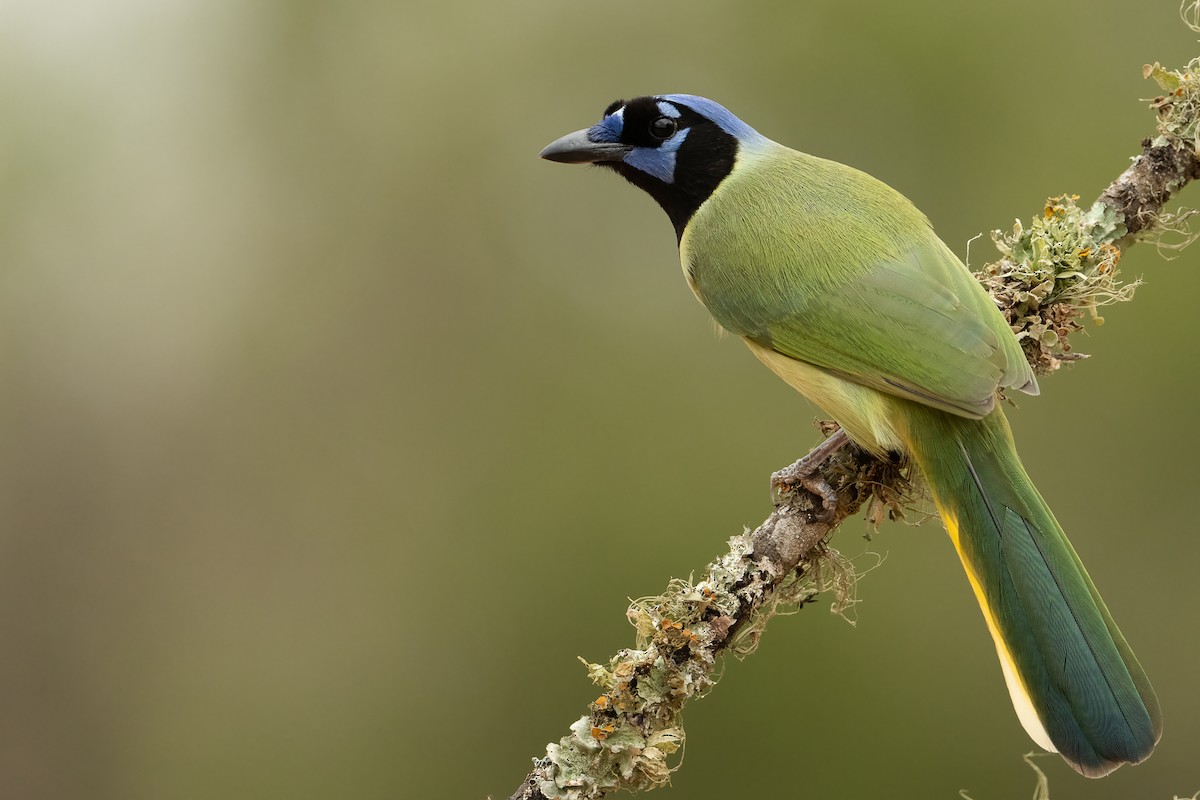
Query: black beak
{"points": [[577, 148]]}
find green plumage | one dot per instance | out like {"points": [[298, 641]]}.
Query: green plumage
{"points": [[840, 285]]}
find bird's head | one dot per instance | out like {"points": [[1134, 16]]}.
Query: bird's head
{"points": [[677, 147]]}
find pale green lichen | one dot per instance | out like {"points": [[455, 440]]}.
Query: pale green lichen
{"points": [[1179, 106], [1053, 271], [1063, 265], [628, 739], [1172, 231]]}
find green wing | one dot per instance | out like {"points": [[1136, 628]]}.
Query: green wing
{"points": [[907, 327], [856, 282]]}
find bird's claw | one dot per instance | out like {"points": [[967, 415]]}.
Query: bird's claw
{"points": [[805, 473]]}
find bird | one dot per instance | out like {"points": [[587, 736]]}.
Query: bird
{"points": [[839, 285]]}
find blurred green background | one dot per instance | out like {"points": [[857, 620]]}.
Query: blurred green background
{"points": [[334, 424]]}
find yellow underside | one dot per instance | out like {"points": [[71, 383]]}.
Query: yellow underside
{"points": [[867, 415]]}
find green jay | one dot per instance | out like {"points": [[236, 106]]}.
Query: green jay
{"points": [[839, 285]]}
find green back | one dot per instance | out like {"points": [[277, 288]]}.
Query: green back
{"points": [[845, 273]]}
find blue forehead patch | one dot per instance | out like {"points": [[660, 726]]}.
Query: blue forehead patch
{"points": [[725, 120], [658, 162], [608, 129]]}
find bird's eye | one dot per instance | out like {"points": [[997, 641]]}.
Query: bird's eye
{"points": [[663, 128]]}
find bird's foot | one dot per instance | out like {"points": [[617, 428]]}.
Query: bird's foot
{"points": [[805, 473]]}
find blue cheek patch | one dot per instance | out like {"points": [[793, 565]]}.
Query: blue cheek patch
{"points": [[658, 162], [608, 129]]}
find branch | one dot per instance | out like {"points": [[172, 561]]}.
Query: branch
{"points": [[1051, 274]]}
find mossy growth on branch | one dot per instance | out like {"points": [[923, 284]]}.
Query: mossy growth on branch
{"points": [[632, 731], [1060, 267], [1179, 106]]}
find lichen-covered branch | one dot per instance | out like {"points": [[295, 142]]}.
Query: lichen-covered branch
{"points": [[1052, 274], [632, 727]]}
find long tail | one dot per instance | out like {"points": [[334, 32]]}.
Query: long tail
{"points": [[1076, 685]]}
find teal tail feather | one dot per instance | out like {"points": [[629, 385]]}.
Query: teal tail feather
{"points": [[1075, 683]]}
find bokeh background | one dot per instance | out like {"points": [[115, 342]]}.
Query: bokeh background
{"points": [[334, 424]]}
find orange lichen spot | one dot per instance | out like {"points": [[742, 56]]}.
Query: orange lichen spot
{"points": [[601, 701], [1085, 252], [602, 732], [667, 625]]}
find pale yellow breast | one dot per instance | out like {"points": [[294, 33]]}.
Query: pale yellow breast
{"points": [[867, 415]]}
